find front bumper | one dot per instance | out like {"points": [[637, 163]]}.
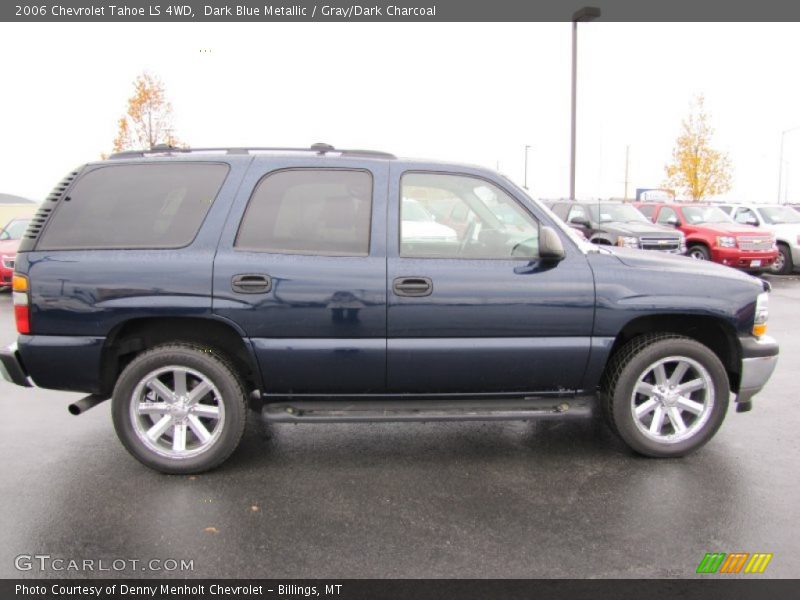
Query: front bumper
{"points": [[743, 259], [6, 275], [11, 368], [759, 357]]}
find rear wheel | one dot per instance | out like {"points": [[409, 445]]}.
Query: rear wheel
{"points": [[179, 408], [665, 395]]}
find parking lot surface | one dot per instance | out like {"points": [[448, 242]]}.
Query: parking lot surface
{"points": [[515, 499]]}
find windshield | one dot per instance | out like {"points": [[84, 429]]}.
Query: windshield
{"points": [[16, 229], [778, 215], [705, 214], [616, 213]]}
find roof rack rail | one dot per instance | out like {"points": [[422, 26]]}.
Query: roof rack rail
{"points": [[318, 148]]}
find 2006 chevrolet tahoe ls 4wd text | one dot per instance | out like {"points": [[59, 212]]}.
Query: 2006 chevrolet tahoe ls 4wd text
{"points": [[319, 285]]}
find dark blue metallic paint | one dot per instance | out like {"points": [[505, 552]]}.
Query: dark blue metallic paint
{"points": [[333, 324], [313, 300]]}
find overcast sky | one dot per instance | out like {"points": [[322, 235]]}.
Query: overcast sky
{"points": [[476, 93]]}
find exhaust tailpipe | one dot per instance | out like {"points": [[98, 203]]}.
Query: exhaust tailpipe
{"points": [[84, 404]]}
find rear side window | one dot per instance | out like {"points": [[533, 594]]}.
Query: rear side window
{"points": [[309, 211], [135, 206]]}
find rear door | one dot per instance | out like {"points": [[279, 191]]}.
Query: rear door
{"points": [[301, 269], [475, 310]]}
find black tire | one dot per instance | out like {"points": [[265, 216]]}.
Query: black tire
{"points": [[636, 360], [225, 395], [783, 264], [698, 252]]}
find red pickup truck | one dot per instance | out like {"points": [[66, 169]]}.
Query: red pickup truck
{"points": [[713, 235]]}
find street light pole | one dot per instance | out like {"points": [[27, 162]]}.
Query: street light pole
{"points": [[587, 13], [525, 185], [780, 160]]}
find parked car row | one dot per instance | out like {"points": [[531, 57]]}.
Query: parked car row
{"points": [[618, 224], [752, 238]]}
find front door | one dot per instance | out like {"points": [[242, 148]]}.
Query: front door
{"points": [[472, 309]]}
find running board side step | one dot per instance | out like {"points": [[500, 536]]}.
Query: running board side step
{"points": [[387, 411]]}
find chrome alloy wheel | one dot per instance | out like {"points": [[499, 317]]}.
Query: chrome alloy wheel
{"points": [[780, 262], [672, 399], [177, 412]]}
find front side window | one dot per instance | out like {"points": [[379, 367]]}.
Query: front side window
{"points": [[309, 211], [668, 216], [746, 217], [155, 205], [483, 220]]}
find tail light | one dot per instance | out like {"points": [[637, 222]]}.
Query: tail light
{"points": [[22, 310]]}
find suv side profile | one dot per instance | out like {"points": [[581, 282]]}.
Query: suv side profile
{"points": [[712, 235], [192, 285]]}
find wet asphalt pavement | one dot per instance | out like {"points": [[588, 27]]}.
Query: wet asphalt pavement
{"points": [[540, 499]]}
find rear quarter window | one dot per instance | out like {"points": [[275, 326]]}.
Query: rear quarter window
{"points": [[135, 206]]}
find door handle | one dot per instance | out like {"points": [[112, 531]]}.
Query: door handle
{"points": [[414, 287], [251, 283]]}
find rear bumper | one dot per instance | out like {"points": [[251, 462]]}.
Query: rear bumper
{"points": [[759, 357], [11, 368]]}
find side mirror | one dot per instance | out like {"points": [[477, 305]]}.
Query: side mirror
{"points": [[550, 247], [673, 221], [751, 221]]}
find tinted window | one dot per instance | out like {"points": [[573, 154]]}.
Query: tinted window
{"points": [[484, 222], [309, 211], [135, 206]]}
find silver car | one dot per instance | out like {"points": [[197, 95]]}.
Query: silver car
{"points": [[781, 220]]}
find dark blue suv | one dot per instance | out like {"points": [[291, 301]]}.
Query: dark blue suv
{"points": [[320, 285]]}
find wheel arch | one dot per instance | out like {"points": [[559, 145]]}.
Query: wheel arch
{"points": [[132, 337], [714, 333]]}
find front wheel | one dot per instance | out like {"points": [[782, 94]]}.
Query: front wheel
{"points": [[783, 263], [699, 252], [665, 395], [179, 408]]}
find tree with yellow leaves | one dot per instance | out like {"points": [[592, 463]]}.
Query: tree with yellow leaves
{"points": [[148, 121], [697, 169]]}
